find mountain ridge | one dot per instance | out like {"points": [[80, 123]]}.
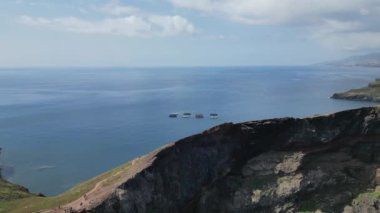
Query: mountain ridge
{"points": [[368, 60]]}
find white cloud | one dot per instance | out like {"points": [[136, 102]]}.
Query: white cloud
{"points": [[354, 21], [284, 11], [117, 9], [124, 20]]}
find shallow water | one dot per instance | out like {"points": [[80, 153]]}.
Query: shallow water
{"points": [[62, 126]]}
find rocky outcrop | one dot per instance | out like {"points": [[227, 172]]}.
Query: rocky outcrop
{"points": [[369, 93], [325, 164]]}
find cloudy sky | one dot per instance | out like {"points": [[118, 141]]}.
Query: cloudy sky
{"points": [[185, 32]]}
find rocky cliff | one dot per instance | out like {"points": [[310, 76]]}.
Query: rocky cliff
{"points": [[325, 164]]}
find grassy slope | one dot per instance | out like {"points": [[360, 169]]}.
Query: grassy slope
{"points": [[372, 92], [9, 191], [30, 203], [368, 91], [367, 196]]}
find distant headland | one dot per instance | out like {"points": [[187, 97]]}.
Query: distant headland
{"points": [[369, 60], [369, 93]]}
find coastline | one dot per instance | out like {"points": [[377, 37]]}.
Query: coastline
{"points": [[184, 175]]}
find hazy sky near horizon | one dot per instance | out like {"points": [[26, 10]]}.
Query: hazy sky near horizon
{"points": [[185, 32]]}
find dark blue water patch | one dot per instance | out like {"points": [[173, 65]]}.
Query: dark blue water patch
{"points": [[62, 126]]}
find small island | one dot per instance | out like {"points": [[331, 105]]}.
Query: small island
{"points": [[369, 93]]}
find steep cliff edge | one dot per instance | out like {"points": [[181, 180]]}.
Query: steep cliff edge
{"points": [[325, 163]]}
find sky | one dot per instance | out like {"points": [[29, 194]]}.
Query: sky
{"points": [[61, 33]]}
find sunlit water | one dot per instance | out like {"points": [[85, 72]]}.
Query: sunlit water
{"points": [[59, 127]]}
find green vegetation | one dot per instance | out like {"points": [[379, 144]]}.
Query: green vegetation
{"points": [[373, 92], [308, 206], [366, 196], [19, 202], [10, 191], [370, 93], [260, 182]]}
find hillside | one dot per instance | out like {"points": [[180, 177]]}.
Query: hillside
{"points": [[369, 93], [10, 192], [325, 163], [369, 60]]}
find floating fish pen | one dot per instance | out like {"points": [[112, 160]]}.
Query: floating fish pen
{"points": [[214, 116], [199, 116], [173, 115]]}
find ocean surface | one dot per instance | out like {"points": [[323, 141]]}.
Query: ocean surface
{"points": [[59, 127]]}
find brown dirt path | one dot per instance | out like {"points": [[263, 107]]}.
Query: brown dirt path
{"points": [[103, 189]]}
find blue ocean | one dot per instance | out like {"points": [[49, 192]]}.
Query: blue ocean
{"points": [[61, 126]]}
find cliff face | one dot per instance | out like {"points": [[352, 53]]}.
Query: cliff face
{"points": [[323, 163]]}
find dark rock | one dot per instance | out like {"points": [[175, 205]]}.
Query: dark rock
{"points": [[40, 195]]}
